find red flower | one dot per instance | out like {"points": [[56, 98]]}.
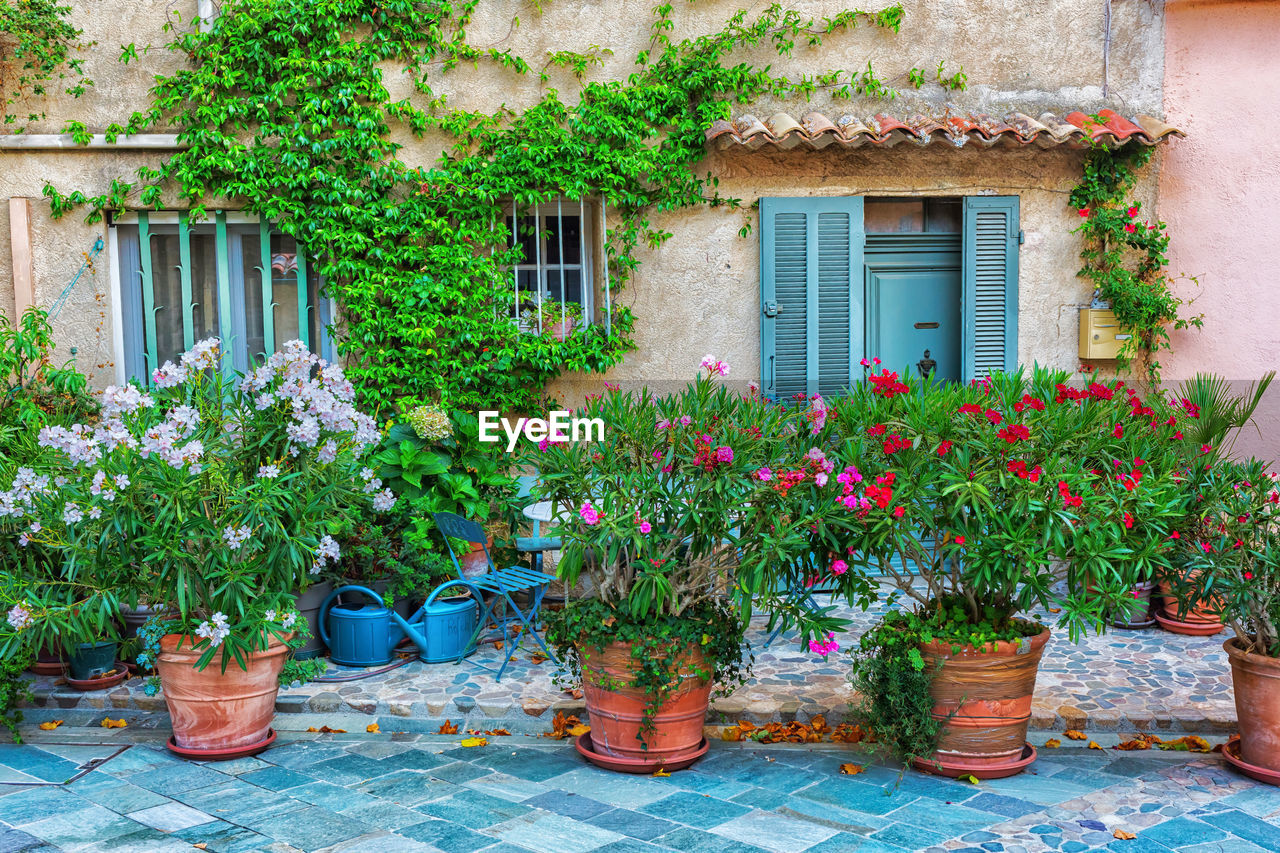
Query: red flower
{"points": [[943, 448], [899, 512], [1208, 549], [1118, 432], [1084, 211], [878, 429], [1133, 211], [1248, 576], [1131, 228], [1014, 433], [970, 409], [1206, 448], [1178, 435], [887, 384], [994, 416], [959, 540], [1128, 520], [1175, 535]]}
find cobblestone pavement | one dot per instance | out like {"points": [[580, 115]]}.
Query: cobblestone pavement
{"points": [[1147, 680], [389, 793]]}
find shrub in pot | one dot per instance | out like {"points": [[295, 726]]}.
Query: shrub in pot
{"points": [[981, 506], [1238, 566], [223, 488], [655, 514]]}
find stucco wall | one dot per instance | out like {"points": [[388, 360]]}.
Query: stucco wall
{"points": [[699, 292], [1220, 193]]}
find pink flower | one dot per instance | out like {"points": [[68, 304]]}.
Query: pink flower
{"points": [[764, 474], [645, 527], [685, 420], [899, 512], [1133, 211], [865, 363], [820, 479], [589, 514], [1131, 228], [824, 648], [724, 454], [839, 567]]}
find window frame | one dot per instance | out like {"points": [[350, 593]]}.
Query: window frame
{"points": [[589, 255], [229, 229]]}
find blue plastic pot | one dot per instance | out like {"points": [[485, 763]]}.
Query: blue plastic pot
{"points": [[93, 660]]}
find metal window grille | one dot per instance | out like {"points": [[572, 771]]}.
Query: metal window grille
{"points": [[561, 245], [233, 277]]}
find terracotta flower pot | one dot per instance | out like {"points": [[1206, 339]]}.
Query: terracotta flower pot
{"points": [[473, 562], [214, 710], [1203, 616], [984, 697], [1256, 679], [615, 708]]}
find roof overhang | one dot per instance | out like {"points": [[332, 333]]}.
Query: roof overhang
{"points": [[1015, 130]]}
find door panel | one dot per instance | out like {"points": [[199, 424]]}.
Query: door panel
{"points": [[916, 309]]}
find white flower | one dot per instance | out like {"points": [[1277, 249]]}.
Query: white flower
{"points": [[122, 481], [236, 536], [19, 617], [384, 500], [95, 512], [268, 472], [215, 630], [71, 513], [186, 417], [366, 473], [169, 376], [202, 355], [289, 619], [328, 549], [270, 615], [373, 485]]}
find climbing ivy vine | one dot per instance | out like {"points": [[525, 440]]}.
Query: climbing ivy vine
{"points": [[286, 112], [1124, 254], [37, 45]]}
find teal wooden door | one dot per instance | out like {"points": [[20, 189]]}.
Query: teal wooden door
{"points": [[915, 307]]}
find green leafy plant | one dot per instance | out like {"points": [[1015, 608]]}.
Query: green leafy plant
{"points": [[37, 44], [1219, 412], [299, 130], [208, 497], [1124, 256]]}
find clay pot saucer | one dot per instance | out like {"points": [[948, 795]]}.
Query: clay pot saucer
{"points": [[960, 769], [1189, 629], [222, 754], [102, 682], [636, 765], [1231, 752], [1134, 626], [47, 667]]}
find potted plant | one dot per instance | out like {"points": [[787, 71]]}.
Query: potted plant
{"points": [[975, 503], [653, 513], [224, 487], [1238, 566], [554, 318]]}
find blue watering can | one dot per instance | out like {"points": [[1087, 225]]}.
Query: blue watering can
{"points": [[367, 633]]}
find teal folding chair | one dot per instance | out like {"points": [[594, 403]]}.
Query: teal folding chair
{"points": [[537, 544], [502, 583]]}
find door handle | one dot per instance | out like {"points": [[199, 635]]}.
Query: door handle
{"points": [[772, 309]]}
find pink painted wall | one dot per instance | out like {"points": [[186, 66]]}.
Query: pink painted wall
{"points": [[1220, 194]]}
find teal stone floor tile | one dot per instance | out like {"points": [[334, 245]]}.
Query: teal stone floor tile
{"points": [[759, 798], [16, 841], [632, 824], [175, 779], [848, 843], [1241, 825], [382, 842], [72, 829], [382, 814], [1261, 802], [276, 778], [616, 789], [1182, 831], [576, 806], [407, 787], [630, 845], [33, 804], [458, 772], [694, 810], [841, 819], [145, 840], [857, 796], [688, 840], [115, 794], [333, 797], [506, 787], [312, 828], [543, 832], [772, 831], [446, 836], [473, 809], [951, 819], [909, 837], [347, 769]]}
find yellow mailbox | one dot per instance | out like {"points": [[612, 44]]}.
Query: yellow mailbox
{"points": [[1100, 335]]}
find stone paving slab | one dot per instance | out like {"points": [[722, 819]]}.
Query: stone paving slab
{"points": [[349, 793], [1148, 680]]}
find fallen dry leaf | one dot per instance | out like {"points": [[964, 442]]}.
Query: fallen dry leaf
{"points": [[498, 733], [1123, 836], [731, 734], [851, 733], [448, 728], [372, 728], [1142, 741], [1053, 743], [1093, 744], [576, 693], [661, 772], [203, 845], [474, 741], [851, 769], [578, 730], [819, 724], [1075, 734], [327, 731], [565, 725], [536, 659], [1186, 743], [498, 644], [109, 723], [51, 725]]}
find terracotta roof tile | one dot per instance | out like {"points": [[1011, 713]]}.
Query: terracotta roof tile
{"points": [[816, 130]]}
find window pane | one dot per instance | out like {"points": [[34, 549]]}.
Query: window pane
{"points": [[573, 285], [527, 238], [943, 215], [894, 215], [166, 264], [251, 263], [284, 288], [572, 228]]}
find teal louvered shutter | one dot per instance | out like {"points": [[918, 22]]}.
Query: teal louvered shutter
{"points": [[811, 295], [990, 285]]}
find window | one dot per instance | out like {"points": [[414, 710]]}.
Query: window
{"points": [[555, 279], [233, 278], [923, 284]]}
